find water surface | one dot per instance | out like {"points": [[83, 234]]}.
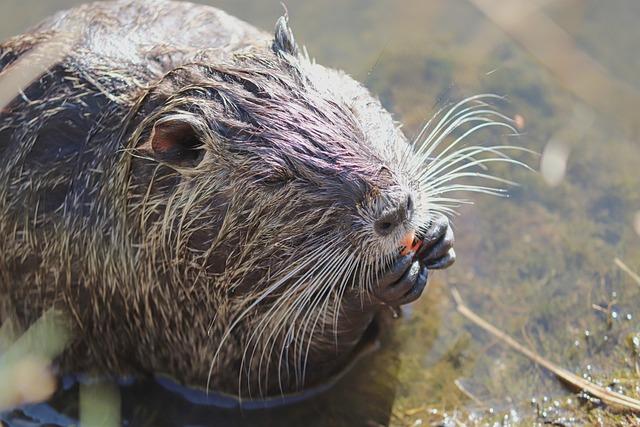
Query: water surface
{"points": [[539, 264]]}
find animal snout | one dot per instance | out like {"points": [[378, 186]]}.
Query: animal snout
{"points": [[391, 219]]}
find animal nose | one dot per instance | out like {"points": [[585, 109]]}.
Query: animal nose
{"points": [[390, 220]]}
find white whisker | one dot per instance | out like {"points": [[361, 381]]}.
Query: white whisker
{"points": [[484, 123], [302, 263], [469, 153], [322, 256]]}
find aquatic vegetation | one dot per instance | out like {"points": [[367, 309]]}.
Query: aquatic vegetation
{"points": [[541, 264]]}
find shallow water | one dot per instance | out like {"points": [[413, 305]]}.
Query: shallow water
{"points": [[539, 264]]}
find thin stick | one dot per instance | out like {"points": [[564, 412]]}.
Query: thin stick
{"points": [[627, 270], [467, 393], [609, 397]]}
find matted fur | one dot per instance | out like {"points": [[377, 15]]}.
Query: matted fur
{"points": [[246, 271]]}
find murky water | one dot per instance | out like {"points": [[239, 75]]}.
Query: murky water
{"points": [[539, 264]]}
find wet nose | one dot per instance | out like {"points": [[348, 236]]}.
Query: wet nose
{"points": [[390, 220]]}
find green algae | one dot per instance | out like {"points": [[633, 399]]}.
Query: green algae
{"points": [[538, 264]]}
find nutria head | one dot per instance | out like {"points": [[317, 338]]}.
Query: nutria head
{"points": [[280, 124], [287, 186]]}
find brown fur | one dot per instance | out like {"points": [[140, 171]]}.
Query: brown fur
{"points": [[244, 261]]}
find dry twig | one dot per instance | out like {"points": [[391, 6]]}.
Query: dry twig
{"points": [[575, 382], [624, 267]]}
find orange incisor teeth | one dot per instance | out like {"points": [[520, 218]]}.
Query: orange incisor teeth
{"points": [[409, 243]]}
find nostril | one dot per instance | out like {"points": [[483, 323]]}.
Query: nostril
{"points": [[385, 225], [409, 207], [391, 219]]}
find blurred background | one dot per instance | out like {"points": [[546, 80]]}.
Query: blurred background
{"points": [[554, 265]]}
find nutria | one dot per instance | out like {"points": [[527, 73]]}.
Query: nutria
{"points": [[207, 202]]}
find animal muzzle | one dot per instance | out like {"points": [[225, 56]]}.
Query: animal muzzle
{"points": [[406, 278]]}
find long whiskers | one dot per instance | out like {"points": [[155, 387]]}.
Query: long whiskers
{"points": [[302, 263], [435, 165], [285, 312]]}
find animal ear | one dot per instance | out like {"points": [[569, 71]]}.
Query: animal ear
{"points": [[174, 142], [283, 41]]}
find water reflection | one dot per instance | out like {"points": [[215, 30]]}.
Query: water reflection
{"points": [[535, 264]]}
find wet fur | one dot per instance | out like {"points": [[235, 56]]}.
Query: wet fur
{"points": [[246, 270]]}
